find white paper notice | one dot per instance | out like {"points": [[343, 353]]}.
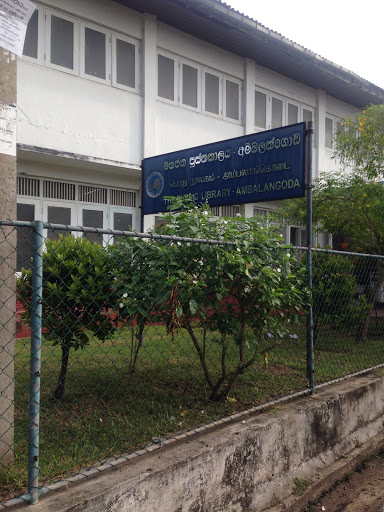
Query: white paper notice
{"points": [[8, 130], [14, 18]]}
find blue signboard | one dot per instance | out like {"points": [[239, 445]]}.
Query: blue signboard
{"points": [[264, 166]]}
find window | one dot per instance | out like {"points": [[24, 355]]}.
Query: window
{"points": [[273, 112], [58, 215], [31, 37], [226, 211], [62, 42], [277, 113], [195, 87], [328, 132], [307, 115], [125, 59], [96, 51], [232, 100], [62, 48], [293, 113], [211, 93], [190, 86], [92, 218], [260, 109], [166, 78], [27, 212]]}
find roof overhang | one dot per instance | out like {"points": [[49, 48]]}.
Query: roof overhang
{"points": [[216, 23]]}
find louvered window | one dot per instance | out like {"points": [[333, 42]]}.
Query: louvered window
{"points": [[59, 190], [123, 198], [28, 186], [89, 194]]}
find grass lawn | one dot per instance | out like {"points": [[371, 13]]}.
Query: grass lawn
{"points": [[107, 410]]}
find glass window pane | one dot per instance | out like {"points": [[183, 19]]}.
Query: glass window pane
{"points": [[212, 88], [24, 237], [31, 37], [190, 78], [125, 63], [277, 113], [93, 219], [328, 132], [122, 222], [166, 81], [58, 215], [293, 113], [260, 109], [62, 42], [95, 53], [232, 96], [307, 115]]}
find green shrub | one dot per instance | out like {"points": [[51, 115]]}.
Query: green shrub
{"points": [[77, 294]]}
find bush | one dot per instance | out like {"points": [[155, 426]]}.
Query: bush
{"points": [[335, 293], [77, 294], [244, 293]]}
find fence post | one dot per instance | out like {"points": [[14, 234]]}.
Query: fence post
{"points": [[34, 390], [310, 365]]}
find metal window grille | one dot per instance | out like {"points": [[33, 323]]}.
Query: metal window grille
{"points": [[123, 198], [89, 194], [59, 190], [28, 186], [225, 211]]}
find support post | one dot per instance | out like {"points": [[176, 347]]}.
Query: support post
{"points": [[8, 69], [309, 186], [34, 386]]}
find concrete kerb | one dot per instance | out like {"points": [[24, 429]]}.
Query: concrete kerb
{"points": [[177, 454], [330, 476]]}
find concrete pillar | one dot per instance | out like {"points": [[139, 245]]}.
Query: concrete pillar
{"points": [[319, 128], [8, 67], [149, 84], [249, 96]]}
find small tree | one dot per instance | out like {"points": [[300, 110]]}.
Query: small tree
{"points": [[243, 293], [77, 293], [334, 293], [353, 206], [360, 142]]}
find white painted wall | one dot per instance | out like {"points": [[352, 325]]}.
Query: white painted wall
{"points": [[67, 113]]}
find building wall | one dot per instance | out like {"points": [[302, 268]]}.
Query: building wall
{"points": [[113, 127]]}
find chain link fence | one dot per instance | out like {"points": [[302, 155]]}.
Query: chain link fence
{"points": [[113, 342]]}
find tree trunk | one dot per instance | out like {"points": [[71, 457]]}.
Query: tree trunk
{"points": [[59, 391], [362, 329], [139, 344]]}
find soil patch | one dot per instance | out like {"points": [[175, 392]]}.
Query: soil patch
{"points": [[362, 490]]}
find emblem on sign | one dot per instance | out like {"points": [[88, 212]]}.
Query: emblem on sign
{"points": [[154, 184]]}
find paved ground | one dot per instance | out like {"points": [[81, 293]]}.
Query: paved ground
{"points": [[362, 490]]}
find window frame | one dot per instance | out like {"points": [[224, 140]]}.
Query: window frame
{"points": [[76, 25], [199, 83], [284, 110], [175, 59], [220, 77], [224, 106], [257, 127], [334, 122], [108, 53], [41, 30], [134, 42]]}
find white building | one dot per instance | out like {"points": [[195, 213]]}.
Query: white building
{"points": [[104, 83]]}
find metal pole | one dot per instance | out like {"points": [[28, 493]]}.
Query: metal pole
{"points": [[310, 358], [34, 390]]}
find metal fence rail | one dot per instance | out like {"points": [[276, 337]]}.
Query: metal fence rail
{"points": [[113, 347]]}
